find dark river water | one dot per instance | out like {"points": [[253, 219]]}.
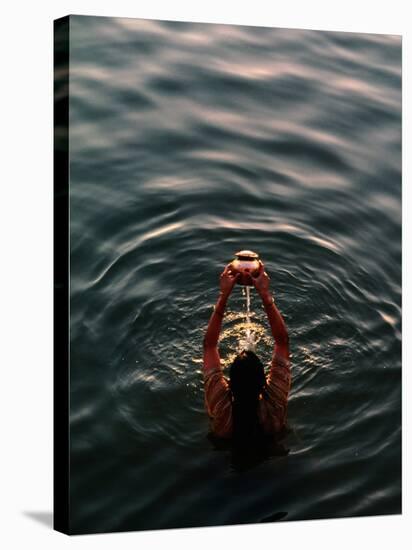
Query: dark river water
{"points": [[189, 142]]}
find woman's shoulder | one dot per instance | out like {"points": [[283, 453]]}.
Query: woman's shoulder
{"points": [[218, 402], [270, 415]]}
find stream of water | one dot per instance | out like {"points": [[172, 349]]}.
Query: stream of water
{"points": [[247, 338]]}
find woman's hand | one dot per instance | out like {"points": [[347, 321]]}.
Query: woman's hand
{"points": [[261, 282], [228, 280]]}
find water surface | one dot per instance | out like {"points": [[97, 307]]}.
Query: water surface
{"points": [[189, 142]]}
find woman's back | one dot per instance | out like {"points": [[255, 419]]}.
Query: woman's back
{"points": [[271, 407]]}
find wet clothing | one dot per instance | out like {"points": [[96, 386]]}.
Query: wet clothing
{"points": [[272, 406]]}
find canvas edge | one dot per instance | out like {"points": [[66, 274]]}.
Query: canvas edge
{"points": [[61, 446]]}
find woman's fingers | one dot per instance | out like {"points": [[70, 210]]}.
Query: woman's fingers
{"points": [[259, 274], [228, 272], [225, 271]]}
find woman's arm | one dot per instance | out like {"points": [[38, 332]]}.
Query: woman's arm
{"points": [[277, 324], [280, 355], [279, 378], [211, 358]]}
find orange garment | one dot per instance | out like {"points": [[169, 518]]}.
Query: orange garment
{"points": [[272, 406]]}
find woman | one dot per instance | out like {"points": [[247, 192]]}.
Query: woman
{"points": [[249, 405]]}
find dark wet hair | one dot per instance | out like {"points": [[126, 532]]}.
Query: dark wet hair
{"points": [[247, 383]]}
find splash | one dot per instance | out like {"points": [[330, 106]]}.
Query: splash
{"points": [[244, 329]]}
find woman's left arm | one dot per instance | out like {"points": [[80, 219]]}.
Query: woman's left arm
{"points": [[211, 358]]}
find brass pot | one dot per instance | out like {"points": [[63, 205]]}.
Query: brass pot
{"points": [[247, 264]]}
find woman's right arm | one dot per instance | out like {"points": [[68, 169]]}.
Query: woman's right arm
{"points": [[279, 379], [280, 355]]}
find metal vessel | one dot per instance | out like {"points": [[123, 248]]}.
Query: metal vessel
{"points": [[247, 264]]}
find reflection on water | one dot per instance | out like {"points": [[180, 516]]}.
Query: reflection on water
{"points": [[189, 142], [246, 457]]}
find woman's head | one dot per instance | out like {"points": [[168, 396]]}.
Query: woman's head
{"points": [[247, 376], [247, 381]]}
